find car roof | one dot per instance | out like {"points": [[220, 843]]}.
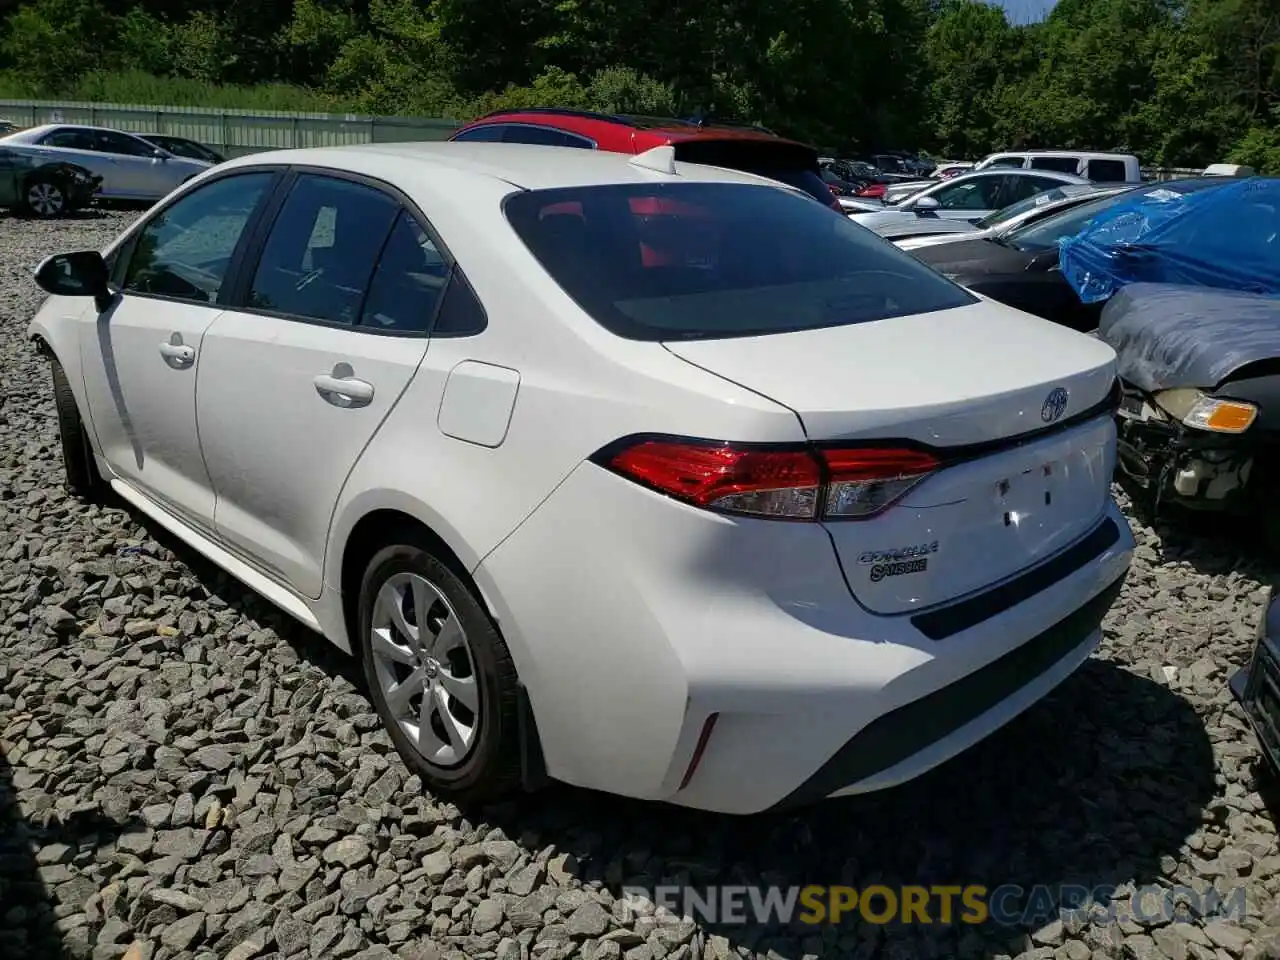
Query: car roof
{"points": [[46, 127], [670, 128], [527, 166], [1066, 179], [1090, 154]]}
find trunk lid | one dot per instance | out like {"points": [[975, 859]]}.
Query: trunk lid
{"points": [[975, 258], [973, 377]]}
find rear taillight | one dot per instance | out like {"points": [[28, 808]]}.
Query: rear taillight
{"points": [[873, 190], [773, 482]]}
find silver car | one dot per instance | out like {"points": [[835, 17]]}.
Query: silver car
{"points": [[928, 231], [130, 167], [970, 196]]}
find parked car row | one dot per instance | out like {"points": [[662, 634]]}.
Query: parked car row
{"points": [[703, 411], [55, 164], [695, 405]]}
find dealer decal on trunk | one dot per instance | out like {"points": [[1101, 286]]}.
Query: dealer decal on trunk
{"points": [[898, 561]]}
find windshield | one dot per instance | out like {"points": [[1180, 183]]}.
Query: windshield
{"points": [[670, 261], [1045, 234], [1022, 206]]}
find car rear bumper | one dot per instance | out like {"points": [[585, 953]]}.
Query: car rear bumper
{"points": [[648, 634]]}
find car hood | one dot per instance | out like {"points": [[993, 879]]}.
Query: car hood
{"points": [[1168, 336], [982, 258], [910, 242]]}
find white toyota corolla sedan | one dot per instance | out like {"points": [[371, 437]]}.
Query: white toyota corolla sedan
{"points": [[648, 477]]}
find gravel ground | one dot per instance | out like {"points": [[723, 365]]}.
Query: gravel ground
{"points": [[184, 773]]}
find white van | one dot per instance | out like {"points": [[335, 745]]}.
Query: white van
{"points": [[1098, 167]]}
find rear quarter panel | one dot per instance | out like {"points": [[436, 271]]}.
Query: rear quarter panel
{"points": [[580, 388]]}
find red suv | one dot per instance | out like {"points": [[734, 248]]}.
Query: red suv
{"points": [[749, 149]]}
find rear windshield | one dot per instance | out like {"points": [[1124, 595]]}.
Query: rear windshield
{"points": [[1052, 195], [1044, 234], [791, 163], [691, 261]]}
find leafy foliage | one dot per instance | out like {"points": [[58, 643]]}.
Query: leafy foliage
{"points": [[1180, 82]]}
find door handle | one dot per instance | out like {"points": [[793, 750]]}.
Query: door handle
{"points": [[180, 354], [344, 391]]}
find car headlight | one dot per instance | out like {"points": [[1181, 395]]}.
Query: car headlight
{"points": [[1196, 410]]}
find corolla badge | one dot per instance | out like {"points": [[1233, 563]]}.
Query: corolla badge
{"points": [[1055, 404]]}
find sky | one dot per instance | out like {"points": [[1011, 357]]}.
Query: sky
{"points": [[1025, 11]]}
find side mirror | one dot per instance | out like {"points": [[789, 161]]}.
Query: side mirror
{"points": [[927, 203], [159, 154], [79, 274]]}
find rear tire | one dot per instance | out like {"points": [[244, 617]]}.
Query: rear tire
{"points": [[468, 748], [44, 198], [83, 479]]}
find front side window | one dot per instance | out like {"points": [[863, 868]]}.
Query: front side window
{"points": [[319, 256], [714, 260], [185, 250], [69, 139], [1008, 162]]}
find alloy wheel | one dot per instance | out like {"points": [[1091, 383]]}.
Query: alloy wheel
{"points": [[45, 199], [425, 668]]}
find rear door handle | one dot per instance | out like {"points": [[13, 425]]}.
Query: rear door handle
{"points": [[344, 391], [180, 354]]}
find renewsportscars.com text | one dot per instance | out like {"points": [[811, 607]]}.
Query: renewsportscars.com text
{"points": [[1008, 904]]}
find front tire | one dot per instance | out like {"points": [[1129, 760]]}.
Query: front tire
{"points": [[447, 694], [44, 198], [83, 479]]}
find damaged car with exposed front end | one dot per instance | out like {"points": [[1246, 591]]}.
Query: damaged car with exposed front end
{"points": [[1189, 290], [1199, 421]]}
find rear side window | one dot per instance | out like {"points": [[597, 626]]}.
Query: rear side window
{"points": [[1107, 171], [1017, 188], [975, 193], [810, 183], [1060, 164], [713, 260], [320, 254], [544, 136], [406, 286], [118, 143], [489, 133]]}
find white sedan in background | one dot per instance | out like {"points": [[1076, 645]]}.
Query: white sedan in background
{"points": [[645, 476], [130, 167], [968, 197], [928, 231]]}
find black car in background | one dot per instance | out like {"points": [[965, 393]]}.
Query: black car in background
{"points": [[182, 147], [841, 177], [1021, 268]]}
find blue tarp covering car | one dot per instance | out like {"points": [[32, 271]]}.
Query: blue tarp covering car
{"points": [[1226, 237]]}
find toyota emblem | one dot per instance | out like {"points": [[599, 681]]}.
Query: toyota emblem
{"points": [[1054, 405]]}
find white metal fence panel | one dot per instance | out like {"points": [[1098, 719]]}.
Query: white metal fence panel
{"points": [[234, 132]]}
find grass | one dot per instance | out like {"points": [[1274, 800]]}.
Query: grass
{"points": [[135, 87]]}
